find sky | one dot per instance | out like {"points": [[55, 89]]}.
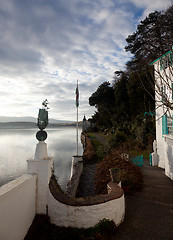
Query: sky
{"points": [[47, 45]]}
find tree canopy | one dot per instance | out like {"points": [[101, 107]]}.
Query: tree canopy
{"points": [[124, 104]]}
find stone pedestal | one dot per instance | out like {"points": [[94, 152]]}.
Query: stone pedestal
{"points": [[41, 165], [41, 151]]}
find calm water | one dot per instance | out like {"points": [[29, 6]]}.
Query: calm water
{"points": [[18, 145]]}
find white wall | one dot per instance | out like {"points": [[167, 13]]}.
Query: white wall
{"points": [[85, 216], [164, 142], [160, 110], [42, 165], [43, 170], [76, 172], [168, 150], [159, 138], [17, 207]]}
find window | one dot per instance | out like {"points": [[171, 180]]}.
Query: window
{"points": [[167, 125], [170, 125], [164, 125], [166, 61], [167, 93]]}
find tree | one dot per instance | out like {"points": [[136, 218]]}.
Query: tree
{"points": [[145, 43], [104, 101], [121, 98], [152, 39]]}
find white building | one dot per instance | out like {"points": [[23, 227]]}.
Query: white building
{"points": [[163, 147]]}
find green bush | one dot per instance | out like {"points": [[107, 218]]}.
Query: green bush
{"points": [[116, 139], [102, 151]]}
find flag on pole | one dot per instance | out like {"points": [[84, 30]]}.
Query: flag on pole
{"points": [[77, 96]]}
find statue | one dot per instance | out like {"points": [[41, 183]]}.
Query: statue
{"points": [[42, 121]]}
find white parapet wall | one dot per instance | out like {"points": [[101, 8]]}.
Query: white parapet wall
{"points": [[42, 165], [86, 212], [17, 207], [76, 172]]}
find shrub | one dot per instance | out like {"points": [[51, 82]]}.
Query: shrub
{"points": [[129, 172], [104, 230], [116, 139]]}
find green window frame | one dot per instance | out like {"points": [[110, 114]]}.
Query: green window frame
{"points": [[164, 125]]}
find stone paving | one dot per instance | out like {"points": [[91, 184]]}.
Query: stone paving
{"points": [[149, 213]]}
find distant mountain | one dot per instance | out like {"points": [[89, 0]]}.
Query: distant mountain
{"points": [[29, 119]]}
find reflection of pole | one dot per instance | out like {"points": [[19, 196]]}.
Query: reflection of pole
{"points": [[77, 131]]}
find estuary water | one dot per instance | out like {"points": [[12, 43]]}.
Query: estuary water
{"points": [[18, 145]]}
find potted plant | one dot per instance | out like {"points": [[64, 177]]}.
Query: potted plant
{"points": [[115, 174]]}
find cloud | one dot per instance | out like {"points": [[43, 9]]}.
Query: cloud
{"points": [[46, 45], [151, 6]]}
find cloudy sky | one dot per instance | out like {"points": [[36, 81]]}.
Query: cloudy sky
{"points": [[46, 45]]}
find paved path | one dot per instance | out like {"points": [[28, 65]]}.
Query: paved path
{"points": [[100, 138], [149, 213]]}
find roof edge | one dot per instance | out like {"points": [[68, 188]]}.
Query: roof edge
{"points": [[161, 56]]}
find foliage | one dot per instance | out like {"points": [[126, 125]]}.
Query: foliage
{"points": [[132, 93], [131, 101], [103, 99], [116, 139], [89, 155], [144, 42], [101, 231], [129, 172], [101, 150]]}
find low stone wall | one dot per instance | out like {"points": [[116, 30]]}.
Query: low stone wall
{"points": [[85, 212], [17, 207], [73, 183], [83, 139], [89, 155]]}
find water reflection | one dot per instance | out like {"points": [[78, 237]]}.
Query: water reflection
{"points": [[18, 145]]}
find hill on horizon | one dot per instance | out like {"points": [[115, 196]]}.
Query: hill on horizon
{"points": [[29, 119]]}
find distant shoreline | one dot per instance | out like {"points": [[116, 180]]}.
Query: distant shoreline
{"points": [[33, 125]]}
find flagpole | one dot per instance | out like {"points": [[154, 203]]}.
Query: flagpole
{"points": [[77, 131], [77, 104]]}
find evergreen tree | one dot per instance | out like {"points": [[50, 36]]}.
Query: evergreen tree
{"points": [[104, 101]]}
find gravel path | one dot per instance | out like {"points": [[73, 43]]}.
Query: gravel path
{"points": [[100, 138], [86, 185]]}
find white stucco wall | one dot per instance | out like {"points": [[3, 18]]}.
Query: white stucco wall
{"points": [[160, 109], [43, 170], [17, 207], [164, 142], [168, 155], [76, 172], [159, 138], [85, 216], [42, 165]]}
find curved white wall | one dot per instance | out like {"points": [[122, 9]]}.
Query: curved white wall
{"points": [[85, 216]]}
